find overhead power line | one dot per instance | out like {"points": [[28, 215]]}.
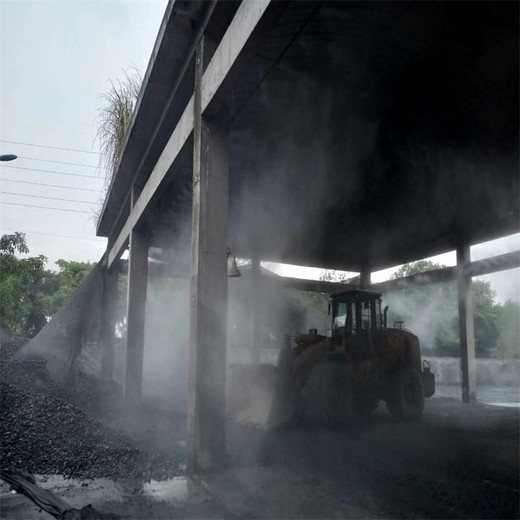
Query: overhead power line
{"points": [[54, 171], [51, 147], [53, 234], [51, 185], [44, 197], [46, 207], [58, 162]]}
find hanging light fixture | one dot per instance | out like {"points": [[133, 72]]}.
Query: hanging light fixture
{"points": [[232, 268]]}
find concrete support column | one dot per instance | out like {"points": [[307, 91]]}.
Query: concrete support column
{"points": [[364, 277], [108, 325], [208, 304], [466, 325], [137, 284], [255, 294]]}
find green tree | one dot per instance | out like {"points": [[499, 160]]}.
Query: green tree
{"points": [[508, 323], [330, 275], [29, 293], [421, 266], [21, 282], [485, 315], [64, 283], [431, 311]]}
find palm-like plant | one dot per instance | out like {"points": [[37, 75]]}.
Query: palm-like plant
{"points": [[114, 119]]}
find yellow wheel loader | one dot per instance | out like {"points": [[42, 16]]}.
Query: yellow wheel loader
{"points": [[325, 379]]}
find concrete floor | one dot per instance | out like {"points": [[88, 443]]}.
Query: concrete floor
{"points": [[460, 461]]}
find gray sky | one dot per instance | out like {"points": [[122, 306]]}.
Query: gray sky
{"points": [[57, 57]]}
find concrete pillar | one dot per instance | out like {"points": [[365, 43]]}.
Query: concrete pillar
{"points": [[137, 284], [364, 277], [254, 296], [208, 304], [466, 325], [107, 333]]}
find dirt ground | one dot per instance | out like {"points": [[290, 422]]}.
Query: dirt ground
{"points": [[459, 461]]}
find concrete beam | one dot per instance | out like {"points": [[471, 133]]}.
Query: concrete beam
{"points": [[108, 325], [299, 284], [466, 326], [137, 284], [478, 268], [208, 317], [234, 40], [240, 30], [158, 269], [495, 264], [120, 245], [446, 274], [172, 104]]}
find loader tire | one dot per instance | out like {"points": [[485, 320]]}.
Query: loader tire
{"points": [[406, 395], [327, 397]]}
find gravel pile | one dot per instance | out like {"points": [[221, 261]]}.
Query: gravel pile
{"points": [[42, 432]]}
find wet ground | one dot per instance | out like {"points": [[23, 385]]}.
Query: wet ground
{"points": [[459, 461], [174, 498], [493, 395]]}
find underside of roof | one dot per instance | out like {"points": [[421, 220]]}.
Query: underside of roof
{"points": [[363, 134]]}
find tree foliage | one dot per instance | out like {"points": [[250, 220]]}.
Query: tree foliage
{"points": [[508, 324], [431, 311], [330, 275], [21, 284], [64, 283], [29, 293], [421, 266]]}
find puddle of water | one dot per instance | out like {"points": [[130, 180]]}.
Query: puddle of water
{"points": [[177, 490], [79, 492]]}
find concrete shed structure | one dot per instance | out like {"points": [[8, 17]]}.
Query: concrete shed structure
{"points": [[348, 135]]}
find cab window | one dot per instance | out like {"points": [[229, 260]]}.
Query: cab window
{"points": [[340, 317]]}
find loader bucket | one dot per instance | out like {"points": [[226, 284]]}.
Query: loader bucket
{"points": [[260, 395]]}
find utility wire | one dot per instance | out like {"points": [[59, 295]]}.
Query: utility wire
{"points": [[54, 234], [51, 147], [44, 197], [59, 162], [51, 185], [45, 207], [53, 171]]}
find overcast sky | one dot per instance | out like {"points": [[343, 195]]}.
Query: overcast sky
{"points": [[57, 57]]}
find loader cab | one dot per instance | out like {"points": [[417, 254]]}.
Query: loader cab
{"points": [[357, 318]]}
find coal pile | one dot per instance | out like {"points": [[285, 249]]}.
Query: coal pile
{"points": [[43, 432]]}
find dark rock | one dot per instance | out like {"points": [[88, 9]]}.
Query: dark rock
{"points": [[46, 430]]}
